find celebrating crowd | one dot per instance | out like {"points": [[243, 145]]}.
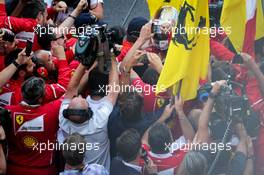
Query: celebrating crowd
{"points": [[84, 103]]}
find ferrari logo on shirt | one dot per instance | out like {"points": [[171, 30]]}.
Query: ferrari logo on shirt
{"points": [[28, 122], [19, 119]]}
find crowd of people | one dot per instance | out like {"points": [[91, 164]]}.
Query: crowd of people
{"points": [[62, 116]]}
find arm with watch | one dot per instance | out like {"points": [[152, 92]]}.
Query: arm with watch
{"points": [[202, 135], [9, 71]]}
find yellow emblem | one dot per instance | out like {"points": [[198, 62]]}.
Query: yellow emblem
{"points": [[160, 102], [19, 119], [29, 141]]}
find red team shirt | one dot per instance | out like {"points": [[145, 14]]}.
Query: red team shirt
{"points": [[166, 163], [32, 126]]}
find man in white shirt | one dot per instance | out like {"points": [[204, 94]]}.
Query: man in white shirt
{"points": [[78, 115]]}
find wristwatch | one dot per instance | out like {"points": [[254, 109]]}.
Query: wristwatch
{"points": [[16, 64]]}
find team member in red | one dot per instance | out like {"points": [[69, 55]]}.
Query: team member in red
{"points": [[33, 124], [10, 93], [255, 93]]}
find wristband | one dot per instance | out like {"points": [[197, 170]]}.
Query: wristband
{"points": [[72, 17], [16, 64]]}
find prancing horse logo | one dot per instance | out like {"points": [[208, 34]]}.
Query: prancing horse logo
{"points": [[182, 37]]}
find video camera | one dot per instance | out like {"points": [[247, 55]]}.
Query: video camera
{"points": [[233, 107], [95, 43]]}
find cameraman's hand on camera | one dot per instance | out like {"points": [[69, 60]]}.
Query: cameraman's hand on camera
{"points": [[59, 52], [217, 86], [155, 61], [83, 4], [22, 58]]}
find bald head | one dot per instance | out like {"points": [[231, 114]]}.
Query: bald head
{"points": [[78, 103]]}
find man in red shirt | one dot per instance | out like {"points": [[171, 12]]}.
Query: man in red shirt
{"points": [[10, 93], [33, 125]]}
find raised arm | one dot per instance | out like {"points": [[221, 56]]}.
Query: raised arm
{"points": [[68, 22], [186, 127], [113, 81], [72, 89], [9, 71], [253, 67], [203, 132]]}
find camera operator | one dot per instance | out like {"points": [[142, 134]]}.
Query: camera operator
{"points": [[33, 124], [89, 120], [11, 93], [241, 163]]}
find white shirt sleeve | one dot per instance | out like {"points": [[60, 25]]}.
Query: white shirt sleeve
{"points": [[94, 2]]}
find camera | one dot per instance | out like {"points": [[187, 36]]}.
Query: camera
{"points": [[157, 29], [161, 36], [233, 107], [95, 43], [7, 35]]}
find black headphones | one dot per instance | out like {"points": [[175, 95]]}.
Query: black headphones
{"points": [[86, 114]]}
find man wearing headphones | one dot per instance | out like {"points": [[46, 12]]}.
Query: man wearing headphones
{"points": [[77, 115]]}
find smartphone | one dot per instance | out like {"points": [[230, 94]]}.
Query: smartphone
{"points": [[29, 47]]}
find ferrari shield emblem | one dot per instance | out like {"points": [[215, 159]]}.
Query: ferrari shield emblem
{"points": [[19, 119]]}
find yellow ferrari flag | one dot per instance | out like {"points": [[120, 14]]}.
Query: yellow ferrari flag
{"points": [[188, 55], [155, 5], [234, 16], [260, 19]]}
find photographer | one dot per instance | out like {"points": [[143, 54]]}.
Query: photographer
{"points": [[78, 115]]}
